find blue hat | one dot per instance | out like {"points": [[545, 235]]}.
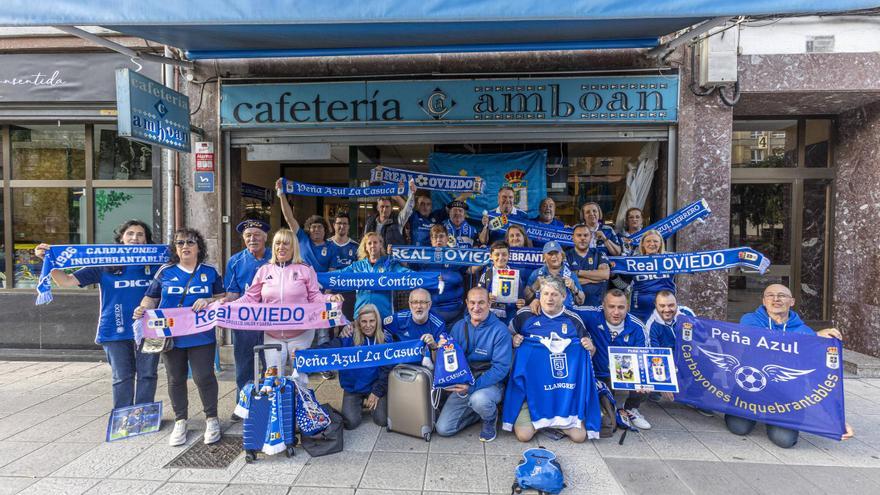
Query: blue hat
{"points": [[552, 246], [252, 223]]}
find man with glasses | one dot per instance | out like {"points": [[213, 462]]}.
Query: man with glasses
{"points": [[775, 314], [418, 322]]}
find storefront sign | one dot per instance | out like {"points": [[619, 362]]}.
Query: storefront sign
{"points": [[151, 113], [204, 156], [204, 182], [256, 192], [606, 100]]}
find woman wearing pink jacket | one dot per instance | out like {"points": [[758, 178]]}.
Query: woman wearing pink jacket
{"points": [[286, 280]]}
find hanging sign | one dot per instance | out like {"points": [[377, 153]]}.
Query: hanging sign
{"points": [[151, 113]]}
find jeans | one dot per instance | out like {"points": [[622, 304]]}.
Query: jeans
{"points": [[200, 359], [353, 409], [785, 438], [134, 373], [243, 342], [461, 412]]}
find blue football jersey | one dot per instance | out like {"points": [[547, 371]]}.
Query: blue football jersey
{"points": [[345, 254], [168, 287], [402, 327], [318, 257], [593, 291], [121, 291], [241, 268], [567, 324], [420, 226]]}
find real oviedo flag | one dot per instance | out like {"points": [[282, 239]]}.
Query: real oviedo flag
{"points": [[785, 379]]}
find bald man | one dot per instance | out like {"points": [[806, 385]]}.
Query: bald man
{"points": [[418, 322]]}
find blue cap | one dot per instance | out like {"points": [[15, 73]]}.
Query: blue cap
{"points": [[552, 246], [252, 223]]}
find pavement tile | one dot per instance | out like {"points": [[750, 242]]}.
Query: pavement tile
{"points": [[507, 444], [716, 478], [10, 485], [15, 423], [363, 438], [770, 479], [584, 475], [65, 386], [60, 486], [634, 446], [803, 453], [312, 490], [729, 447], [100, 462], [837, 480], [398, 442], [500, 471], [694, 421], [456, 473], [661, 418], [93, 431], [52, 429], [12, 451], [128, 487], [47, 459], [149, 464], [852, 452], [466, 441], [395, 471], [255, 490], [273, 470], [210, 475], [97, 406], [343, 470], [670, 444], [648, 476], [189, 489], [19, 401], [370, 491]]}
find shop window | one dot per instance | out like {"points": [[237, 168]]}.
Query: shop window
{"points": [[119, 158], [115, 206], [817, 146], [48, 152], [764, 144], [46, 214]]}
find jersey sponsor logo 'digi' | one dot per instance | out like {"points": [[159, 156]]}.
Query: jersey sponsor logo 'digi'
{"points": [[128, 284], [191, 290]]}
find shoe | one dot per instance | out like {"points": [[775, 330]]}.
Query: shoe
{"points": [[235, 418], [178, 435], [328, 375], [706, 412], [654, 397], [637, 420], [212, 431], [488, 433]]}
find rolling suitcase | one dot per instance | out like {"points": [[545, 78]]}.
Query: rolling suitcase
{"points": [[411, 405], [259, 410]]}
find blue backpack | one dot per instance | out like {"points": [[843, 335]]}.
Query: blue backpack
{"points": [[539, 470]]}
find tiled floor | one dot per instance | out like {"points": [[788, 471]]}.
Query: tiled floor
{"points": [[52, 425]]}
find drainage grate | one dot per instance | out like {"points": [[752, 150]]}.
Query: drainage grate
{"points": [[215, 456]]}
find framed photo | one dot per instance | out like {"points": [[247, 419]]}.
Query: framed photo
{"points": [[642, 368], [135, 420]]}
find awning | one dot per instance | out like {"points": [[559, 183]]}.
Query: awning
{"points": [[207, 29]]}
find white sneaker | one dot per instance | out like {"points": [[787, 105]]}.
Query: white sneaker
{"points": [[212, 431], [178, 436], [637, 419]]}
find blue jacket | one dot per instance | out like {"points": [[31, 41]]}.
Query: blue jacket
{"points": [[759, 318], [488, 341], [382, 299], [361, 380], [659, 333]]}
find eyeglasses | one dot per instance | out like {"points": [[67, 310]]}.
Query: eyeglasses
{"points": [[420, 303], [777, 296], [185, 242]]}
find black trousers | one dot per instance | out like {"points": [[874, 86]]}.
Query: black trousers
{"points": [[633, 399], [200, 360]]}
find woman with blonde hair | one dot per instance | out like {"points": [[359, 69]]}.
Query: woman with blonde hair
{"points": [[372, 259], [646, 287], [364, 387], [286, 279]]}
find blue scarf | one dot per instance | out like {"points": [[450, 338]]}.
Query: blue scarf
{"points": [[301, 189], [274, 441], [432, 182], [364, 356], [699, 261], [78, 256], [535, 231], [382, 281], [526, 258], [421, 255], [685, 216], [465, 230]]}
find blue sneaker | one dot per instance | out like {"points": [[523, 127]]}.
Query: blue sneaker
{"points": [[489, 432]]}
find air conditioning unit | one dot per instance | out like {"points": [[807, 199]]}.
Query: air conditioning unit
{"points": [[718, 52], [820, 44]]}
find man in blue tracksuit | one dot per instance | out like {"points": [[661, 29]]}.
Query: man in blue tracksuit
{"points": [[487, 346], [776, 315]]}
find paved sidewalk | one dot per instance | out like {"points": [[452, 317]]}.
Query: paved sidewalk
{"points": [[53, 418]]}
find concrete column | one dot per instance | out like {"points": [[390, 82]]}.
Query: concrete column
{"points": [[705, 131], [855, 293]]}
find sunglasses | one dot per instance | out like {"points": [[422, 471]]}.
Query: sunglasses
{"points": [[185, 242]]}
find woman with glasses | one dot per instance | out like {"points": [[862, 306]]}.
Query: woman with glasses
{"points": [[646, 287], [186, 281], [122, 288]]}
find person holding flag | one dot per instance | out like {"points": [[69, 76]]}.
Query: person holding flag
{"points": [[646, 287], [499, 253], [446, 304], [371, 259], [604, 238]]}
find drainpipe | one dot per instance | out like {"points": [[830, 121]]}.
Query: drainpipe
{"points": [[170, 170]]}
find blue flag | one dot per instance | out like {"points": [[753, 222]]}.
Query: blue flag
{"points": [[302, 189], [430, 182], [421, 255], [684, 216], [780, 378], [525, 172], [535, 231], [698, 261], [349, 281], [364, 356]]}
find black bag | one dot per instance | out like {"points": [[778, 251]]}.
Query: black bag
{"points": [[328, 441]]}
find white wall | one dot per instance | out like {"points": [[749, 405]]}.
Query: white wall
{"points": [[852, 34]]}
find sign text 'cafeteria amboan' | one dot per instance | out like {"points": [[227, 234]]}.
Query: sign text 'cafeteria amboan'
{"points": [[634, 99]]}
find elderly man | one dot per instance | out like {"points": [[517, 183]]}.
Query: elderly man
{"points": [[612, 325], [461, 233], [240, 271], [418, 322], [487, 348], [589, 264], [775, 314], [554, 264], [506, 206], [422, 217], [547, 217]]}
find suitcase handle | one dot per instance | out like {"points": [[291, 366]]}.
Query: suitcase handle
{"points": [[406, 374], [257, 349]]}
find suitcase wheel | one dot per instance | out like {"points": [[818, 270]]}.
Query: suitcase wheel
{"points": [[388, 429], [427, 437], [289, 452], [250, 456]]}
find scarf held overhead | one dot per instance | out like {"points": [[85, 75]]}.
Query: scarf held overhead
{"points": [[420, 255], [177, 322], [85, 255], [431, 182], [698, 210], [348, 281], [699, 261], [365, 356], [534, 230], [302, 189]]}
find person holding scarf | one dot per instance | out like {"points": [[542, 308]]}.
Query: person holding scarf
{"points": [[633, 222], [506, 198], [422, 217], [499, 253], [646, 287], [547, 216], [516, 237], [363, 387], [447, 304], [186, 281], [371, 259], [589, 265], [604, 237], [554, 264], [122, 288], [460, 232], [286, 279]]}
